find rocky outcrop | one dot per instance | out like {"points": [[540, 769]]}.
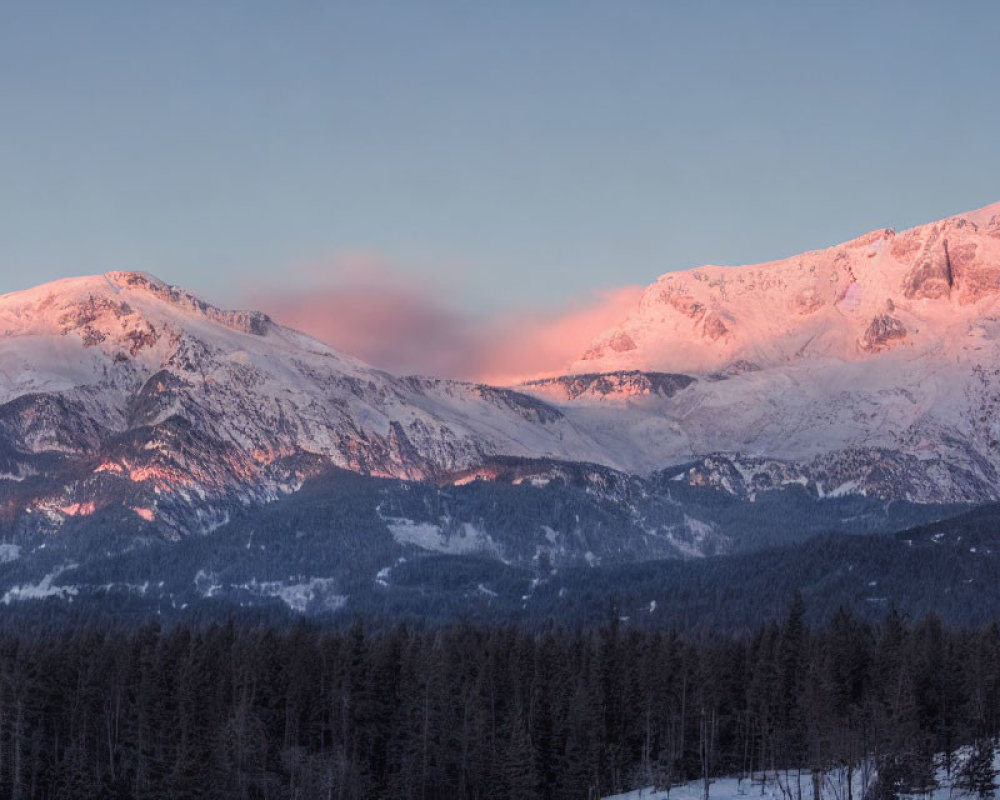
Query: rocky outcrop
{"points": [[621, 342], [931, 276], [624, 383], [714, 328], [882, 332], [252, 322]]}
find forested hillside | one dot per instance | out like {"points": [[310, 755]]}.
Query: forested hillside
{"points": [[468, 712]]}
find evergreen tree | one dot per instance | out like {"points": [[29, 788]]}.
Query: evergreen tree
{"points": [[977, 776]]}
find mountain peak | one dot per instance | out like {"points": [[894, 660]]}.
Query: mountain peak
{"points": [[135, 279], [253, 322], [73, 303], [851, 301]]}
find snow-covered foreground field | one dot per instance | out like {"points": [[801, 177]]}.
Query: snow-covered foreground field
{"points": [[786, 786]]}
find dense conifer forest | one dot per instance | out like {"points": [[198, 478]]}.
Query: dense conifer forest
{"points": [[241, 711]]}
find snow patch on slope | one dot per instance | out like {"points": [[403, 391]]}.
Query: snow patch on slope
{"points": [[462, 539], [315, 594], [44, 588]]}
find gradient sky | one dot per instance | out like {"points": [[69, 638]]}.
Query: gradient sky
{"points": [[509, 155]]}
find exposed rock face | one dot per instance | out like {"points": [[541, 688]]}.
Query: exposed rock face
{"points": [[621, 343], [882, 331], [993, 227], [975, 278], [956, 259], [629, 384], [254, 322], [714, 328], [931, 276], [618, 343]]}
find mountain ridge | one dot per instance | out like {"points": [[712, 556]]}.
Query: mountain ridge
{"points": [[798, 305], [131, 380], [119, 388], [854, 389]]}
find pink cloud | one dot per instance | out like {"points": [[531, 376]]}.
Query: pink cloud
{"points": [[391, 322], [526, 346]]}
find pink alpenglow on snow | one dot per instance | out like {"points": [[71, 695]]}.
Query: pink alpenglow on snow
{"points": [[405, 329], [520, 347], [900, 295]]}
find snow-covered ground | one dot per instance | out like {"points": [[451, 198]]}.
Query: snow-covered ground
{"points": [[792, 785], [781, 786]]}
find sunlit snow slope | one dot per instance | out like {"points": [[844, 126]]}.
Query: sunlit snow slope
{"points": [[872, 365], [119, 388]]}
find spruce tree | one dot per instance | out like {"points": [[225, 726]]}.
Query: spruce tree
{"points": [[977, 776]]}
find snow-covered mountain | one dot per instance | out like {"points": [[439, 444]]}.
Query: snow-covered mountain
{"points": [[912, 292], [870, 366], [120, 389], [867, 368], [853, 389]]}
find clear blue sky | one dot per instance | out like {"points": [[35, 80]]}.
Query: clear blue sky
{"points": [[542, 148]]}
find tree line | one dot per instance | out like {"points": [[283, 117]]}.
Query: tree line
{"points": [[468, 711]]}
